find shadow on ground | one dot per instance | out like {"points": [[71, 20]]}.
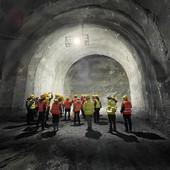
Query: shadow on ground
{"points": [[103, 118], [26, 134], [150, 136], [93, 134], [48, 134], [102, 123], [29, 129], [127, 138], [15, 126], [77, 125]]}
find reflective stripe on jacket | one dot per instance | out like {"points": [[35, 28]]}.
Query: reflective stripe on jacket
{"points": [[31, 104], [56, 108], [88, 107], [127, 107], [77, 106], [42, 105], [111, 107]]}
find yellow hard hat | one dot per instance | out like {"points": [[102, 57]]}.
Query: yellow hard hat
{"points": [[87, 96], [57, 95], [31, 95], [113, 97], [75, 95], [46, 94], [43, 96], [124, 97]]}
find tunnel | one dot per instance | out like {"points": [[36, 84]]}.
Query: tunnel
{"points": [[104, 47]]}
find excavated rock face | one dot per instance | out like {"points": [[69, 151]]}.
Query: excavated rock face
{"points": [[34, 58], [97, 75]]}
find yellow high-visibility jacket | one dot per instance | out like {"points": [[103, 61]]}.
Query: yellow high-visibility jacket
{"points": [[111, 107], [88, 107]]}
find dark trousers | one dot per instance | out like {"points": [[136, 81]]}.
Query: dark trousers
{"points": [[62, 110], [89, 123], [41, 118], [47, 114], [82, 111], [127, 122], [36, 111], [30, 115], [112, 121], [96, 115], [77, 117], [67, 111]]}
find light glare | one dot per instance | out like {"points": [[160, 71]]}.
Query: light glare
{"points": [[77, 41]]}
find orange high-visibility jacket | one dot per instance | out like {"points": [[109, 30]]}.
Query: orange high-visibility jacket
{"points": [[56, 108], [74, 99], [77, 106], [41, 106], [127, 107], [67, 104]]}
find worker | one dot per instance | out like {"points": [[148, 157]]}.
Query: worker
{"points": [[56, 111], [62, 105], [93, 97], [88, 108], [83, 99], [74, 99], [57, 96], [49, 97], [30, 105], [111, 109], [60, 101], [76, 108], [36, 105], [67, 108], [97, 107], [126, 111], [42, 108]]}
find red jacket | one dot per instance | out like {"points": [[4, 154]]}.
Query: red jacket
{"points": [[77, 106], [42, 105], [127, 107], [56, 108], [67, 104], [74, 99]]}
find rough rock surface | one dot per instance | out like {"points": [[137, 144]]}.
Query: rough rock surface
{"points": [[97, 75]]}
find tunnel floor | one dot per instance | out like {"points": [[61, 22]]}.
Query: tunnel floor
{"points": [[72, 147]]}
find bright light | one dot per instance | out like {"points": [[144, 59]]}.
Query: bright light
{"points": [[77, 41]]}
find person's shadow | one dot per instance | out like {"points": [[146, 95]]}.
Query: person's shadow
{"points": [[147, 135], [26, 134], [126, 138], [93, 134], [14, 126], [102, 123], [48, 134]]}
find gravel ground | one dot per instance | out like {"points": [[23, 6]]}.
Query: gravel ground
{"points": [[73, 148]]}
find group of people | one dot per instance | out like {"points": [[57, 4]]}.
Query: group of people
{"points": [[88, 106]]}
